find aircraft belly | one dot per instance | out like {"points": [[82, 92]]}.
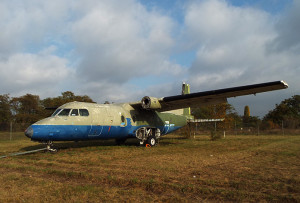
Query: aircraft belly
{"points": [[60, 132], [77, 132], [168, 129]]}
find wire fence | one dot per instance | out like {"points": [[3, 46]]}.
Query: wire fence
{"points": [[13, 127], [8, 129], [206, 128]]}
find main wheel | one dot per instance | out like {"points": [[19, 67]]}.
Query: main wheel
{"points": [[152, 141]]}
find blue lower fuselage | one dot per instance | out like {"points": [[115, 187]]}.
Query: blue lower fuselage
{"points": [[87, 132]]}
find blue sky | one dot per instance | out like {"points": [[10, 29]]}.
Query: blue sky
{"points": [[123, 50]]}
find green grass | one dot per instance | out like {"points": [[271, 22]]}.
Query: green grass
{"points": [[237, 168]]}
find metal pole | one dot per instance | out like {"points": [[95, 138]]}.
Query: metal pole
{"points": [[215, 126], [235, 128], [282, 127], [10, 134]]}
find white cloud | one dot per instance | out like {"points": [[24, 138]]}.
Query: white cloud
{"points": [[36, 73], [97, 47], [231, 44], [112, 42], [229, 39], [26, 24], [118, 43], [288, 28]]}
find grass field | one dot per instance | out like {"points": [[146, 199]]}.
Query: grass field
{"points": [[237, 168]]}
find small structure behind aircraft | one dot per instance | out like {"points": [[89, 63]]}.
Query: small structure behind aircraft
{"points": [[146, 120]]}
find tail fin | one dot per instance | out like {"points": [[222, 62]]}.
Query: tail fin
{"points": [[186, 90]]}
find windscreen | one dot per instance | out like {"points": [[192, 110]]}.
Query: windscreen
{"points": [[56, 112], [64, 112]]}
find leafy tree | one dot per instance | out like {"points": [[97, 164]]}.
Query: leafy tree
{"points": [[233, 121], [26, 109], [66, 97], [5, 113], [288, 112], [213, 111], [223, 110], [250, 121]]}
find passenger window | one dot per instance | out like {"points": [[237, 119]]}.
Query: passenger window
{"points": [[84, 112], [64, 112], [74, 112]]}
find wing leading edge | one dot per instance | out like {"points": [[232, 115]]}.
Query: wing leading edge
{"points": [[215, 96]]}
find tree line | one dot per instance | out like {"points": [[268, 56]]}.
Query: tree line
{"points": [[284, 115], [30, 108]]}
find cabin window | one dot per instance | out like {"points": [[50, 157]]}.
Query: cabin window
{"points": [[123, 121], [56, 112], [74, 112], [64, 112], [84, 112]]}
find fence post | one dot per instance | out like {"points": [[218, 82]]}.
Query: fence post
{"points": [[235, 132], [10, 134], [282, 127], [215, 126]]}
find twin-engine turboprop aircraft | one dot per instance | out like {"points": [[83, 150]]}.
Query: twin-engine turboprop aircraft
{"points": [[146, 120]]}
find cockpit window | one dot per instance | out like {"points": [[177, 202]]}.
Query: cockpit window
{"points": [[74, 112], [83, 112], [56, 112], [64, 112]]}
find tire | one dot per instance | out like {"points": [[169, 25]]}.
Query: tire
{"points": [[152, 141]]}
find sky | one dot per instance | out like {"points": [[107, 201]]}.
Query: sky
{"points": [[120, 51]]}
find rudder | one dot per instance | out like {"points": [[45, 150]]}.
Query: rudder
{"points": [[186, 90]]}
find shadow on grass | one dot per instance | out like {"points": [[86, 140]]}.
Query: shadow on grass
{"points": [[82, 144], [60, 145]]}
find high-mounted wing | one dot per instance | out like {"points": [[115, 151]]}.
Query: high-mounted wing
{"points": [[207, 97]]}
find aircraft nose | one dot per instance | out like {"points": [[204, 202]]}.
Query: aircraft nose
{"points": [[29, 132]]}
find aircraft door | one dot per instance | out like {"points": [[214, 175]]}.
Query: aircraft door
{"points": [[96, 127], [123, 121]]}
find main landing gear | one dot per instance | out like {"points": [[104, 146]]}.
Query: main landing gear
{"points": [[148, 136]]}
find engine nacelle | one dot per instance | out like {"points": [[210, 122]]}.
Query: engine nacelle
{"points": [[150, 103]]}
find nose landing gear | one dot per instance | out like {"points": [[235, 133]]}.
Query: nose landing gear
{"points": [[49, 144]]}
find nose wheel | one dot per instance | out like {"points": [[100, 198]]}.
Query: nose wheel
{"points": [[49, 147]]}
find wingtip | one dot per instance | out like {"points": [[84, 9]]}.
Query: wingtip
{"points": [[284, 84]]}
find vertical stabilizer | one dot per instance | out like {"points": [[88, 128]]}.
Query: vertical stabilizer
{"points": [[186, 90]]}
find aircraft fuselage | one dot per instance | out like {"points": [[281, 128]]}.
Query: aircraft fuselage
{"points": [[87, 121]]}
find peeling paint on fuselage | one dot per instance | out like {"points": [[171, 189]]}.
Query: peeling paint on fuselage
{"points": [[104, 122]]}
